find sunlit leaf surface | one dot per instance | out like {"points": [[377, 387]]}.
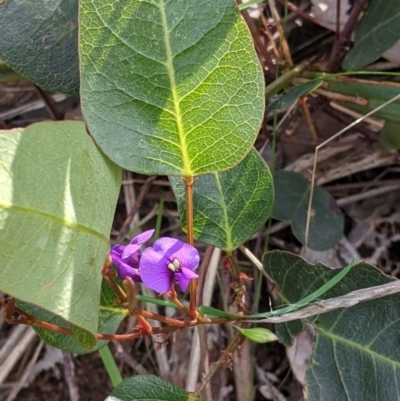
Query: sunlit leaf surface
{"points": [[54, 240]]}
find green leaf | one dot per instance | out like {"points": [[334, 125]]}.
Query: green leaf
{"points": [[110, 364], [39, 40], [258, 335], [54, 241], [292, 192], [377, 32], [243, 6], [83, 337], [210, 311], [281, 101], [110, 318], [148, 388], [230, 206], [356, 354], [170, 87]]}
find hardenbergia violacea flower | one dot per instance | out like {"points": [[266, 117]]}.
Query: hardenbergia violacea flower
{"points": [[127, 257], [169, 260]]}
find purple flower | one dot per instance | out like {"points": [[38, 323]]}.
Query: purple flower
{"points": [[167, 261], [127, 258]]}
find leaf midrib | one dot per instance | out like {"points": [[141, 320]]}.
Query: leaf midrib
{"points": [[187, 170], [377, 28], [357, 346], [59, 220]]}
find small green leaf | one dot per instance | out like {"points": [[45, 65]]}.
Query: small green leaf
{"points": [[230, 206], [292, 192], [83, 337], [54, 241], [170, 87], [39, 40], [356, 354], [210, 311], [376, 32], [258, 335], [148, 388], [279, 102]]}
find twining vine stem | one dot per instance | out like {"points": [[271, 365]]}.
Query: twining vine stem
{"points": [[189, 182]]}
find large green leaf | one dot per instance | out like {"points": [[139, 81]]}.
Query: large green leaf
{"points": [[148, 388], [356, 353], [292, 194], [377, 32], [230, 206], [110, 317], [170, 87], [57, 201], [39, 40]]}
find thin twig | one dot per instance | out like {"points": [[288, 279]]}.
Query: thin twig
{"points": [[316, 158], [259, 44], [366, 195], [225, 358], [122, 355], [70, 376], [283, 42], [299, 12], [322, 104], [345, 301], [143, 191], [203, 273], [199, 351], [50, 104], [338, 50], [25, 375]]}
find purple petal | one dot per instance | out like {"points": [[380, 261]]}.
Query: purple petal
{"points": [[172, 248], [116, 253], [154, 271], [125, 271], [142, 238], [184, 276], [131, 255]]}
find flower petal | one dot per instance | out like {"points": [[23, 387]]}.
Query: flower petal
{"points": [[142, 237], [184, 276], [116, 253], [172, 248], [154, 271], [125, 271], [131, 255]]}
